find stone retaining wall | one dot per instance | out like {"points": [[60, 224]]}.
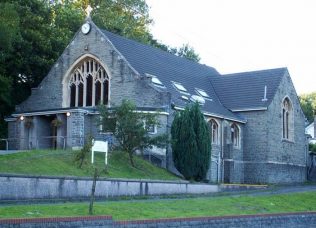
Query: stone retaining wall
{"points": [[286, 220], [21, 187]]}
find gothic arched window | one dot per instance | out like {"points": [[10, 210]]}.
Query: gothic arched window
{"points": [[235, 135], [88, 84], [287, 119], [214, 132]]}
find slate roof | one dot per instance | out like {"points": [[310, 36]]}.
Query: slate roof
{"points": [[246, 90], [224, 96]]}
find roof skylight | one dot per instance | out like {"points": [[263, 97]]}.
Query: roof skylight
{"points": [[156, 81], [185, 98], [179, 87], [198, 99], [202, 93]]}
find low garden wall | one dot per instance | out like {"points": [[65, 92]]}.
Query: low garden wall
{"points": [[23, 187], [286, 220]]}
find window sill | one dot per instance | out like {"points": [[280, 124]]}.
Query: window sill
{"points": [[288, 141], [236, 148]]}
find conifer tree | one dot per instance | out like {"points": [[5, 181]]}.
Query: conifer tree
{"points": [[191, 143], [203, 142]]}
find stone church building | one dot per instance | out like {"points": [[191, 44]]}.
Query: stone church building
{"points": [[256, 122]]}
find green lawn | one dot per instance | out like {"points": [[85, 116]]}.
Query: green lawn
{"points": [[61, 163], [171, 208]]}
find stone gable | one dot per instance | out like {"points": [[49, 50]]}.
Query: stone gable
{"points": [[125, 82]]}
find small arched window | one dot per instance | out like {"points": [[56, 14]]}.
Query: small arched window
{"points": [[235, 135], [214, 131], [287, 119], [88, 84]]}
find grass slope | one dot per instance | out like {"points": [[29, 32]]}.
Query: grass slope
{"points": [[61, 163], [175, 208]]}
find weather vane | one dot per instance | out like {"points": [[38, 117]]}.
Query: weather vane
{"points": [[88, 10]]}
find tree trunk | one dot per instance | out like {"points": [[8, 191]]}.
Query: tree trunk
{"points": [[81, 163], [95, 176], [131, 158]]}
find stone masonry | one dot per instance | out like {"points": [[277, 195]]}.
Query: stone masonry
{"points": [[262, 156]]}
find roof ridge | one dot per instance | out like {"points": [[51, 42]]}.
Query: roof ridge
{"points": [[160, 50], [255, 71]]}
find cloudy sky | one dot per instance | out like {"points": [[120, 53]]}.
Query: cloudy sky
{"points": [[244, 35]]}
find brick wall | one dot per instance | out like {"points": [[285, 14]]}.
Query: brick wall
{"points": [[284, 220]]}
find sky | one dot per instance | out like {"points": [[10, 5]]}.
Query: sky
{"points": [[243, 35]]}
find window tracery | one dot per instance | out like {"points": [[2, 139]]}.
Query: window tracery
{"points": [[235, 135], [88, 84], [214, 131], [287, 119]]}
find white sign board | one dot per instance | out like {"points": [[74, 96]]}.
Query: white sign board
{"points": [[102, 147]]}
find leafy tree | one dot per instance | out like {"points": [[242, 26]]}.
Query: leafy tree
{"points": [[9, 31], [191, 143], [308, 104], [130, 128], [82, 155], [81, 158], [188, 52], [185, 51], [35, 41], [9, 34], [96, 175], [5, 103], [312, 148], [129, 18]]}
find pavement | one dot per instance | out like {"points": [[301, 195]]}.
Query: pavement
{"points": [[2, 152]]}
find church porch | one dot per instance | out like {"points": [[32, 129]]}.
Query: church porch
{"points": [[60, 128]]}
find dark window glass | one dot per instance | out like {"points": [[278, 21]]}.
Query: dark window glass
{"points": [[73, 95], [97, 93], [80, 97], [105, 92], [89, 91]]}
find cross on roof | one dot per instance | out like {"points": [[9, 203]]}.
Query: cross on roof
{"points": [[88, 10]]}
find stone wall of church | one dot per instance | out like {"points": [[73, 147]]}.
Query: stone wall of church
{"points": [[294, 152], [76, 130], [229, 169], [125, 83], [268, 158], [13, 134], [213, 174], [255, 146], [233, 168], [92, 128]]}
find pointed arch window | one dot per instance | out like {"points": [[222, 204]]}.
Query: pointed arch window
{"points": [[214, 131], [88, 84], [287, 119], [235, 135]]}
